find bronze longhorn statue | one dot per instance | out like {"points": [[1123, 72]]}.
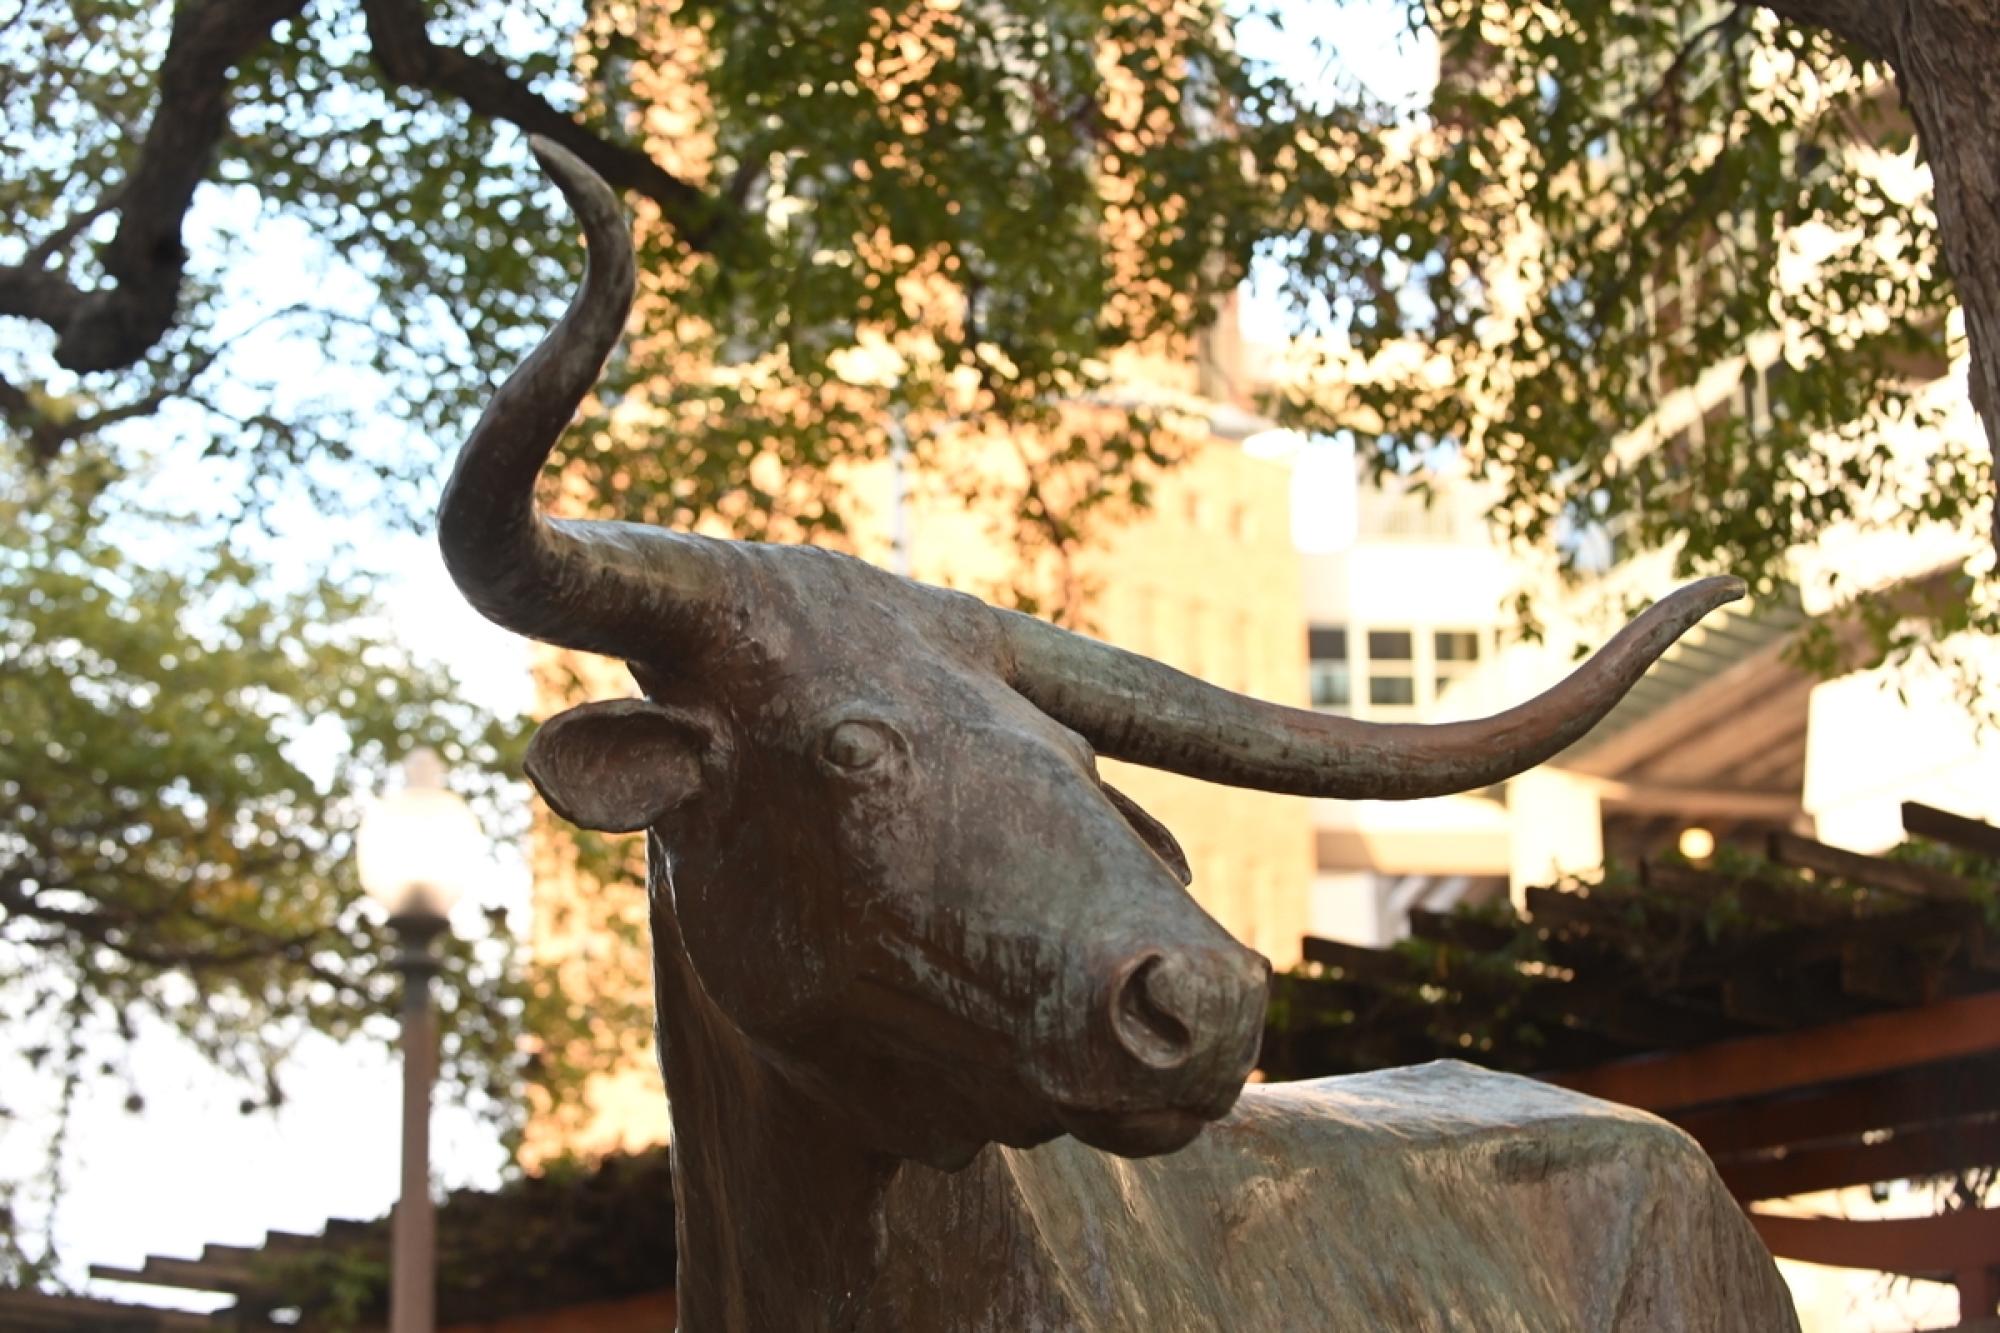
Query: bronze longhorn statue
{"points": [[903, 932]]}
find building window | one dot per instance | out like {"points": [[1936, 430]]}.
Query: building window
{"points": [[1392, 668], [1457, 645], [1410, 516], [1390, 690], [1240, 527], [1457, 652], [1390, 645], [1328, 673]]}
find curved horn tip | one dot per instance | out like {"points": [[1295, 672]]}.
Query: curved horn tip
{"points": [[581, 185], [1714, 592]]}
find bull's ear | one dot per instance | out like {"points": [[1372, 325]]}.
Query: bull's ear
{"points": [[619, 765], [1163, 843]]}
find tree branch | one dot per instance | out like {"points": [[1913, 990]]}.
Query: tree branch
{"points": [[112, 328], [1669, 86], [403, 48], [35, 294], [116, 325], [52, 244], [46, 436], [1869, 24], [236, 943], [17, 409]]}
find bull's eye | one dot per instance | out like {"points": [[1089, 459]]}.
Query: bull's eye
{"points": [[856, 746]]}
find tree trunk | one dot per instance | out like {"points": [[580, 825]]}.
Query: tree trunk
{"points": [[1948, 65]]}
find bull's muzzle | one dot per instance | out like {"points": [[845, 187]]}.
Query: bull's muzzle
{"points": [[1164, 1009], [1178, 1031]]}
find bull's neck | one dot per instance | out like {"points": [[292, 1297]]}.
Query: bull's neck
{"points": [[777, 1208]]}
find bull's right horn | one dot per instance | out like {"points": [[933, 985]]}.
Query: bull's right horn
{"points": [[1133, 708]]}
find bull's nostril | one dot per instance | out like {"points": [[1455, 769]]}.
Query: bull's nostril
{"points": [[1153, 1011]]}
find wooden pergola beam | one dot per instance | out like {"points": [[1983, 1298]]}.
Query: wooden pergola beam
{"points": [[1764, 1065], [1937, 1247], [1590, 1021], [1780, 902], [1928, 1150], [1783, 998], [1607, 916], [22, 1310], [1899, 1100], [1968, 835], [1874, 872], [1763, 975], [1782, 765], [1378, 967], [187, 1274], [1601, 978], [1464, 932]]}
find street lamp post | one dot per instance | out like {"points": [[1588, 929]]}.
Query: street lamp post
{"points": [[416, 848]]}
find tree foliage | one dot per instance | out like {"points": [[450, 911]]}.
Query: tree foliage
{"points": [[1012, 195], [181, 741], [1083, 177], [1664, 269]]}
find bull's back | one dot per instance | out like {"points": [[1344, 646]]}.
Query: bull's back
{"points": [[1440, 1197]]}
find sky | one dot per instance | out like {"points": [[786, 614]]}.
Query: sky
{"points": [[191, 1169]]}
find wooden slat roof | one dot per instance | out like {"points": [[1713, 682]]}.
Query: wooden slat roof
{"points": [[1848, 1004], [44, 1312], [567, 1238]]}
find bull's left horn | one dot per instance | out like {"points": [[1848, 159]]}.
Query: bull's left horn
{"points": [[611, 588], [1136, 709]]}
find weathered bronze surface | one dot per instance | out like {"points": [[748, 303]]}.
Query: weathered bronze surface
{"points": [[898, 920]]}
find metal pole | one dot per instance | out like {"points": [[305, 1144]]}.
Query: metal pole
{"points": [[413, 1271]]}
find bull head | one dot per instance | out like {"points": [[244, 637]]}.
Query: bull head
{"points": [[877, 833]]}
